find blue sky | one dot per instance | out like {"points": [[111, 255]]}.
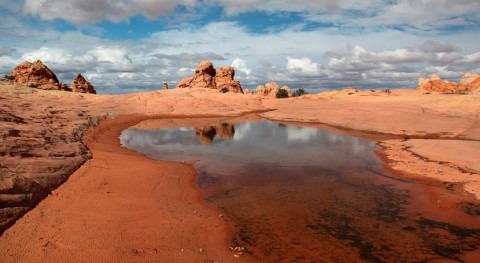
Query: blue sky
{"points": [[135, 45]]}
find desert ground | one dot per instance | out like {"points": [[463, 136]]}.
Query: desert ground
{"points": [[109, 204]]}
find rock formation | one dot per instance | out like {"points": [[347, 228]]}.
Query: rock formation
{"points": [[37, 75], [270, 89], [470, 82], [206, 76], [81, 85], [165, 86], [225, 80], [468, 78]]}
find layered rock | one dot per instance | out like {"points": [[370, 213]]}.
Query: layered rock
{"points": [[37, 75], [81, 85], [206, 76], [225, 80], [470, 82], [468, 78]]}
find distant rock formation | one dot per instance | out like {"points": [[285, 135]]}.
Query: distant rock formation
{"points": [[81, 85], [165, 86], [37, 75], [270, 89], [470, 82], [206, 76]]}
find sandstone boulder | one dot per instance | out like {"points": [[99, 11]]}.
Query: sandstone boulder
{"points": [[37, 75], [225, 80], [206, 76], [81, 85]]}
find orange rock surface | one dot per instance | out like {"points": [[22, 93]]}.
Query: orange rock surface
{"points": [[104, 212]]}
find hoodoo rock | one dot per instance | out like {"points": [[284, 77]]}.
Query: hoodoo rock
{"points": [[81, 85], [37, 75], [206, 76], [225, 80]]}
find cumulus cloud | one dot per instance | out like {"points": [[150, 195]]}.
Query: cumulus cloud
{"points": [[303, 66], [379, 54], [241, 67], [90, 11]]}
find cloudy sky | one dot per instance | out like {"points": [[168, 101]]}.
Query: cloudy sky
{"points": [[132, 45]]}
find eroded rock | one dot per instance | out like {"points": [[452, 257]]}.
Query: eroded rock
{"points": [[37, 75], [81, 85], [206, 76]]}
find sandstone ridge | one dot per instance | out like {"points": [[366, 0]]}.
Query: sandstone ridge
{"points": [[206, 76], [470, 82]]}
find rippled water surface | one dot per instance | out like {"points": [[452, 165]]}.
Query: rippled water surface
{"points": [[309, 195]]}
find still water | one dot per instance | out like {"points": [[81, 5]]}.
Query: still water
{"points": [[309, 195]]}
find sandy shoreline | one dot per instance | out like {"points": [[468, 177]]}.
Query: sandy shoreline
{"points": [[121, 206], [103, 213]]}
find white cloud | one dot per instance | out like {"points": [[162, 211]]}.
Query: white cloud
{"points": [[90, 11], [304, 66], [378, 55], [241, 65]]}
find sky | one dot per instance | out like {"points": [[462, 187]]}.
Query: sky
{"points": [[124, 46]]}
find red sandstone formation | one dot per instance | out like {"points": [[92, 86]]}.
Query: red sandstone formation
{"points": [[37, 75], [470, 82], [81, 85], [206, 76], [224, 80]]}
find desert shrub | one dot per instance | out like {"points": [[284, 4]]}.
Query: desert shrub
{"points": [[33, 86], [387, 91], [282, 94], [299, 92], [8, 77], [224, 90]]}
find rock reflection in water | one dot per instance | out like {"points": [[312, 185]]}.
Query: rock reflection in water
{"points": [[206, 134], [308, 195]]}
